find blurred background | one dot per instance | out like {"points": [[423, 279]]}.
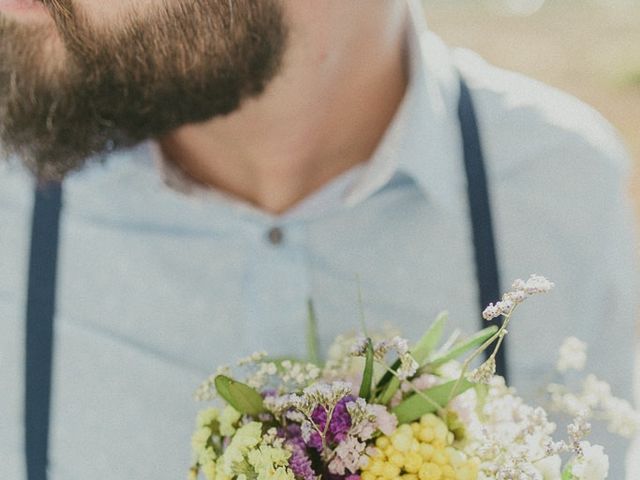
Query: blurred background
{"points": [[589, 48]]}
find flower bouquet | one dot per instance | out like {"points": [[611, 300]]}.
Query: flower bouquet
{"points": [[380, 409]]}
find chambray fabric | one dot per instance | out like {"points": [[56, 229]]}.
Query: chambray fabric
{"points": [[157, 287]]}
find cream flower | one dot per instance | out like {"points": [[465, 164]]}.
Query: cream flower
{"points": [[550, 467], [228, 420], [593, 464], [573, 355], [207, 416]]}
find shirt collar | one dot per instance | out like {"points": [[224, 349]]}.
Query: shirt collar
{"points": [[423, 141]]}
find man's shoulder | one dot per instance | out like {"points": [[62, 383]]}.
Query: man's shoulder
{"points": [[119, 186], [16, 185], [526, 124]]}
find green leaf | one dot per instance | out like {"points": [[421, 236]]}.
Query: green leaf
{"points": [[463, 347], [415, 406], [391, 388], [313, 343], [240, 396], [367, 376], [389, 384], [429, 341], [383, 383]]}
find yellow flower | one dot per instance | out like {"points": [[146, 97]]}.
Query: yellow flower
{"points": [[419, 451], [193, 474], [270, 463], [209, 469], [199, 440], [221, 474], [265, 456], [280, 473], [206, 417], [228, 419], [246, 438], [250, 455]]}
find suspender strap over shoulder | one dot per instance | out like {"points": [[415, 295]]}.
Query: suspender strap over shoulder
{"points": [[486, 261], [39, 329]]}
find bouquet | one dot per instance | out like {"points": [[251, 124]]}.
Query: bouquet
{"points": [[380, 409]]}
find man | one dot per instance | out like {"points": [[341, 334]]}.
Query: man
{"points": [[248, 155]]}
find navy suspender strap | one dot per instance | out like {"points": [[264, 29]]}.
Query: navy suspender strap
{"points": [[39, 329], [480, 212]]}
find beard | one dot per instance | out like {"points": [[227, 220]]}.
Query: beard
{"points": [[116, 86]]}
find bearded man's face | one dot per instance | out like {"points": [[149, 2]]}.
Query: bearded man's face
{"points": [[90, 75]]}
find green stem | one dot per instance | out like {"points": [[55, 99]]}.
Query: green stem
{"points": [[363, 323], [499, 336], [416, 390]]}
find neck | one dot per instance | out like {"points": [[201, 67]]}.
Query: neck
{"points": [[343, 77]]}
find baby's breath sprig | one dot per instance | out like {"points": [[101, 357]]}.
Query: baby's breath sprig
{"points": [[596, 401], [520, 291]]}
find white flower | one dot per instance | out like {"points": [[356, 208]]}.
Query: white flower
{"points": [[484, 373], [408, 367], [595, 390], [577, 431], [254, 358], [385, 421], [621, 418], [573, 355], [593, 464], [508, 437], [401, 345], [328, 393], [359, 347], [520, 291], [550, 467], [348, 456], [597, 401], [537, 284], [493, 311]]}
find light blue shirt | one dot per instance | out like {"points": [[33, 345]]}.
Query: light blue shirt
{"points": [[157, 287]]}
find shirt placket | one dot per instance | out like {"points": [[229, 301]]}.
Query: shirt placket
{"points": [[276, 289]]}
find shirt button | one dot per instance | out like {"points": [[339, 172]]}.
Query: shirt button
{"points": [[275, 236]]}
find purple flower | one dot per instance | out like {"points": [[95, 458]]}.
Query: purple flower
{"points": [[293, 435], [300, 463], [339, 424], [340, 420]]}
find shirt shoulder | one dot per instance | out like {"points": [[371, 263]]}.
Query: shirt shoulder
{"points": [[16, 186], [526, 124]]}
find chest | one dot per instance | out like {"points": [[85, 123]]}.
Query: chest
{"points": [[199, 292], [155, 291]]}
